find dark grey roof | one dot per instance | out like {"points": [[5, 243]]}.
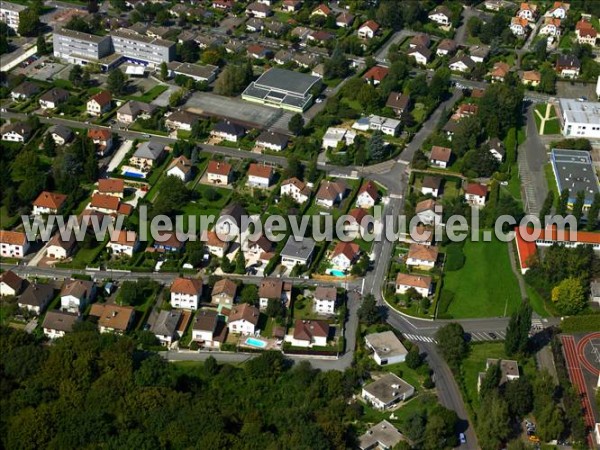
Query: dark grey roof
{"points": [[228, 127], [234, 210], [27, 88], [37, 294], [206, 320], [574, 171], [464, 59], [568, 61], [287, 80], [149, 150], [273, 138], [298, 249], [64, 132], [166, 323], [60, 321], [55, 94]]}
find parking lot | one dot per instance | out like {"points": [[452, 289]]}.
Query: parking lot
{"points": [[237, 109], [569, 89]]}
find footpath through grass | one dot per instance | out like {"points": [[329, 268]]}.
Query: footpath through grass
{"points": [[485, 286]]}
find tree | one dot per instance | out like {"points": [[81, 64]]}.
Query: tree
{"points": [[593, 214], [49, 145], [92, 6], [294, 167], [240, 263], [226, 265], [490, 381], [29, 22], [42, 47], [369, 312], [413, 358], [517, 332], [452, 344], [312, 172], [569, 296], [376, 146], [172, 196], [275, 308], [493, 422], [194, 251], [75, 75], [296, 124], [547, 79], [211, 367], [249, 294], [578, 206], [176, 98], [337, 65], [116, 81], [164, 71], [563, 203], [546, 209]]}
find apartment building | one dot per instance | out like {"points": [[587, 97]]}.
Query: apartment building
{"points": [[142, 49], [10, 14], [80, 48]]}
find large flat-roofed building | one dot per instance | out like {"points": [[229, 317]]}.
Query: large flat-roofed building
{"points": [[580, 119], [142, 49], [10, 14], [206, 73], [80, 48], [573, 170], [283, 89], [387, 348]]}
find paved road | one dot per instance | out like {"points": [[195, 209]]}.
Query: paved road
{"points": [[381, 54], [461, 32]]}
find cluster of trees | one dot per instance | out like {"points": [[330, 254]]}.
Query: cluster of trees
{"points": [[116, 81], [517, 332], [92, 24], [135, 293], [110, 394], [234, 78], [172, 197], [495, 31], [452, 344], [564, 275], [78, 77]]}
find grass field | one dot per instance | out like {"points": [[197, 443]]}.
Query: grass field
{"points": [[551, 181], [485, 285]]}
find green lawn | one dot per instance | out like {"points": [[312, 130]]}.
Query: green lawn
{"points": [[551, 180], [485, 284], [147, 97], [6, 220], [552, 126], [514, 183]]}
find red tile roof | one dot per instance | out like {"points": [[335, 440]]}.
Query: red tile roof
{"points": [[376, 73], [102, 98], [219, 168], [349, 249], [187, 286], [476, 189], [50, 200], [259, 170], [101, 134], [111, 185], [103, 201]]}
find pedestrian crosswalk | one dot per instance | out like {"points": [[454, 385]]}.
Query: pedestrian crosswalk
{"points": [[487, 336], [416, 337]]}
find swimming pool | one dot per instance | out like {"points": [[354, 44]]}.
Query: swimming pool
{"points": [[134, 174], [337, 273], [255, 343]]}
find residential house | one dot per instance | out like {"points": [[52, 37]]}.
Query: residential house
{"points": [[420, 283], [208, 331], [496, 148], [383, 435], [11, 284], [441, 15], [75, 295], [109, 204], [321, 10], [53, 98], [228, 131], [58, 323], [168, 241], [99, 103], [531, 78], [419, 40], [568, 66], [102, 139], [230, 220], [586, 33], [291, 5], [219, 172], [331, 193], [440, 156], [357, 225], [431, 185], [148, 154], [387, 348], [376, 74], [181, 120], [465, 110], [214, 244], [387, 391], [324, 300], [243, 319], [283, 57], [272, 289], [559, 10], [259, 52], [182, 168], [479, 53], [132, 110], [16, 132], [113, 318], [254, 25], [446, 47], [344, 255], [461, 63], [259, 10], [309, 333], [165, 326], [528, 11], [550, 27], [225, 5], [422, 256], [499, 71], [398, 102], [334, 136], [48, 203], [297, 252], [260, 246], [13, 244], [367, 195], [429, 212], [61, 134], [271, 140], [223, 294], [186, 293], [509, 371], [475, 194], [344, 19], [296, 189], [24, 91], [111, 186], [368, 30], [519, 26], [36, 297], [420, 54], [260, 176], [59, 248], [123, 242]]}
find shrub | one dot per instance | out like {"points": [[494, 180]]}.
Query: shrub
{"points": [[455, 258]]}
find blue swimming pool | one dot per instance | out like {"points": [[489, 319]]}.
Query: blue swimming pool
{"points": [[256, 343], [337, 273], [133, 174]]}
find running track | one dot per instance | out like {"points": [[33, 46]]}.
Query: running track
{"points": [[573, 358]]}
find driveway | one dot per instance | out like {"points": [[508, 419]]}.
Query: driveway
{"points": [[119, 155]]}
